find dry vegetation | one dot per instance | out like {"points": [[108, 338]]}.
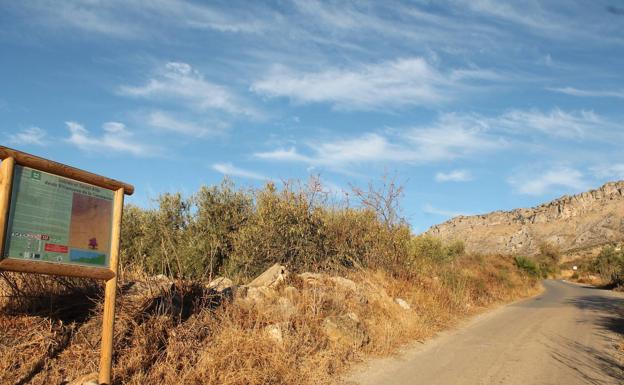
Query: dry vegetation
{"points": [[184, 333]]}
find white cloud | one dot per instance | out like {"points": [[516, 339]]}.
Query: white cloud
{"points": [[540, 183], [28, 136], [444, 141], [454, 176], [179, 82], [429, 209], [167, 122], [611, 171], [574, 124], [128, 19], [450, 137], [559, 123], [398, 83], [531, 15], [589, 93], [115, 138], [338, 154], [231, 170]]}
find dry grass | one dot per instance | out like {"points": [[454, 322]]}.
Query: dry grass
{"points": [[179, 337]]}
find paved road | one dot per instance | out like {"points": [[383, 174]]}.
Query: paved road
{"points": [[566, 336]]}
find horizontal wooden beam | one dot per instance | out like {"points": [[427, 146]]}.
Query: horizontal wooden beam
{"points": [[51, 268], [60, 169]]}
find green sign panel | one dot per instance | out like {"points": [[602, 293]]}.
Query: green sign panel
{"points": [[56, 219]]}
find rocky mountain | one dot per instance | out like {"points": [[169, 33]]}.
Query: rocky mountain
{"points": [[572, 223]]}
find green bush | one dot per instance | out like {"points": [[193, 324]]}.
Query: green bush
{"points": [[432, 249], [610, 265], [221, 230], [548, 259], [529, 266]]}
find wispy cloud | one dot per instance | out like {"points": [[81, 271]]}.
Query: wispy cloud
{"points": [[556, 122], [180, 83], [589, 93], [454, 176], [452, 136], [167, 122], [28, 136], [398, 83], [115, 137], [231, 170], [339, 154], [447, 139], [430, 209], [540, 183], [134, 19], [611, 171]]}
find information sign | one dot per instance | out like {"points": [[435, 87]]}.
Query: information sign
{"points": [[59, 220], [56, 219]]}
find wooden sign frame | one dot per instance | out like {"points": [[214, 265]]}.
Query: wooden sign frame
{"points": [[10, 158]]}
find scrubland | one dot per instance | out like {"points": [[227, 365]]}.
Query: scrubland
{"points": [[372, 286], [605, 269]]}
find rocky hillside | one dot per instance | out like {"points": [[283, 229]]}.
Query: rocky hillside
{"points": [[573, 223]]}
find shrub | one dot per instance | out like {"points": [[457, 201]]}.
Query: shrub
{"points": [[529, 266], [286, 228], [610, 265], [548, 259], [550, 253], [432, 249], [221, 230], [221, 213]]}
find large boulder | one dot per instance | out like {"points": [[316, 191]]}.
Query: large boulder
{"points": [[346, 329], [221, 285], [272, 277], [259, 294]]}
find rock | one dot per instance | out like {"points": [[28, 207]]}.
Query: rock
{"points": [[402, 303], [152, 287], [221, 284], [88, 379], [272, 277], [260, 294], [311, 278], [345, 329], [344, 282], [377, 292]]}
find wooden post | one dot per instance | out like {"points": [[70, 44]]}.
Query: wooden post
{"points": [[6, 181], [106, 355]]}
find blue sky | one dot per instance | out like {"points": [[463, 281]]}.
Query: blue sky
{"points": [[474, 105]]}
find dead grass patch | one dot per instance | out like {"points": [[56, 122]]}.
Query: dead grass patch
{"points": [[238, 343]]}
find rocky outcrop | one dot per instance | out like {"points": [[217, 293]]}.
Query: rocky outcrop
{"points": [[571, 223]]}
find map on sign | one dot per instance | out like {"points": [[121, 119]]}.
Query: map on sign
{"points": [[56, 219]]}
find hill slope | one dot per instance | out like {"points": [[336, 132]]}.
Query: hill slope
{"points": [[572, 223]]}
